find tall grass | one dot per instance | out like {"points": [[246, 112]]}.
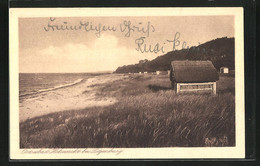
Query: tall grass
{"points": [[148, 114]]}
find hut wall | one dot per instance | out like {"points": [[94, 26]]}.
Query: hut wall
{"points": [[223, 70], [214, 88], [190, 87]]}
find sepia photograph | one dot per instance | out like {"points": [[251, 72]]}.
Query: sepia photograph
{"points": [[95, 82]]}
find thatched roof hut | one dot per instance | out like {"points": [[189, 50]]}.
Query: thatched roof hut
{"points": [[193, 76], [194, 71]]}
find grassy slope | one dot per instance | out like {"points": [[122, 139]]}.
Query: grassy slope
{"points": [[148, 114]]}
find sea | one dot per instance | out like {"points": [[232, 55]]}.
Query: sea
{"points": [[35, 83]]}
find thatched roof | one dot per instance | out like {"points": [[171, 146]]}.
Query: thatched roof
{"points": [[194, 71]]}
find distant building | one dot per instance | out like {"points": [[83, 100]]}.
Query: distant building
{"points": [[145, 72], [223, 70], [158, 72], [188, 76], [140, 72]]}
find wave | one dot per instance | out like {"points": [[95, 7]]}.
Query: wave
{"points": [[53, 88]]}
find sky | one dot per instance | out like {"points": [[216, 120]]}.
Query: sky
{"points": [[45, 48]]}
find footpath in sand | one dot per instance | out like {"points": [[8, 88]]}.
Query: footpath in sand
{"points": [[75, 97]]}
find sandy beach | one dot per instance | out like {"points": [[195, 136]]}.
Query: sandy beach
{"points": [[74, 97]]}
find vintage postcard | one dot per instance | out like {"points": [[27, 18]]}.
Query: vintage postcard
{"points": [[126, 83]]}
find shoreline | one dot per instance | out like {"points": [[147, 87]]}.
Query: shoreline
{"points": [[51, 89], [72, 97]]}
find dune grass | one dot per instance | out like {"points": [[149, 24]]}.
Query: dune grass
{"points": [[148, 114]]}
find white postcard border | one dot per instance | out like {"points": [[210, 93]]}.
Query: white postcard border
{"points": [[126, 153]]}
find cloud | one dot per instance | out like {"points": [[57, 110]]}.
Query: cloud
{"points": [[101, 54]]}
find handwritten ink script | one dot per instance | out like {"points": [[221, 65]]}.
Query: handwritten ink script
{"points": [[126, 27], [157, 48], [90, 151]]}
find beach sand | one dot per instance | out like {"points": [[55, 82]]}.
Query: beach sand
{"points": [[76, 97]]}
